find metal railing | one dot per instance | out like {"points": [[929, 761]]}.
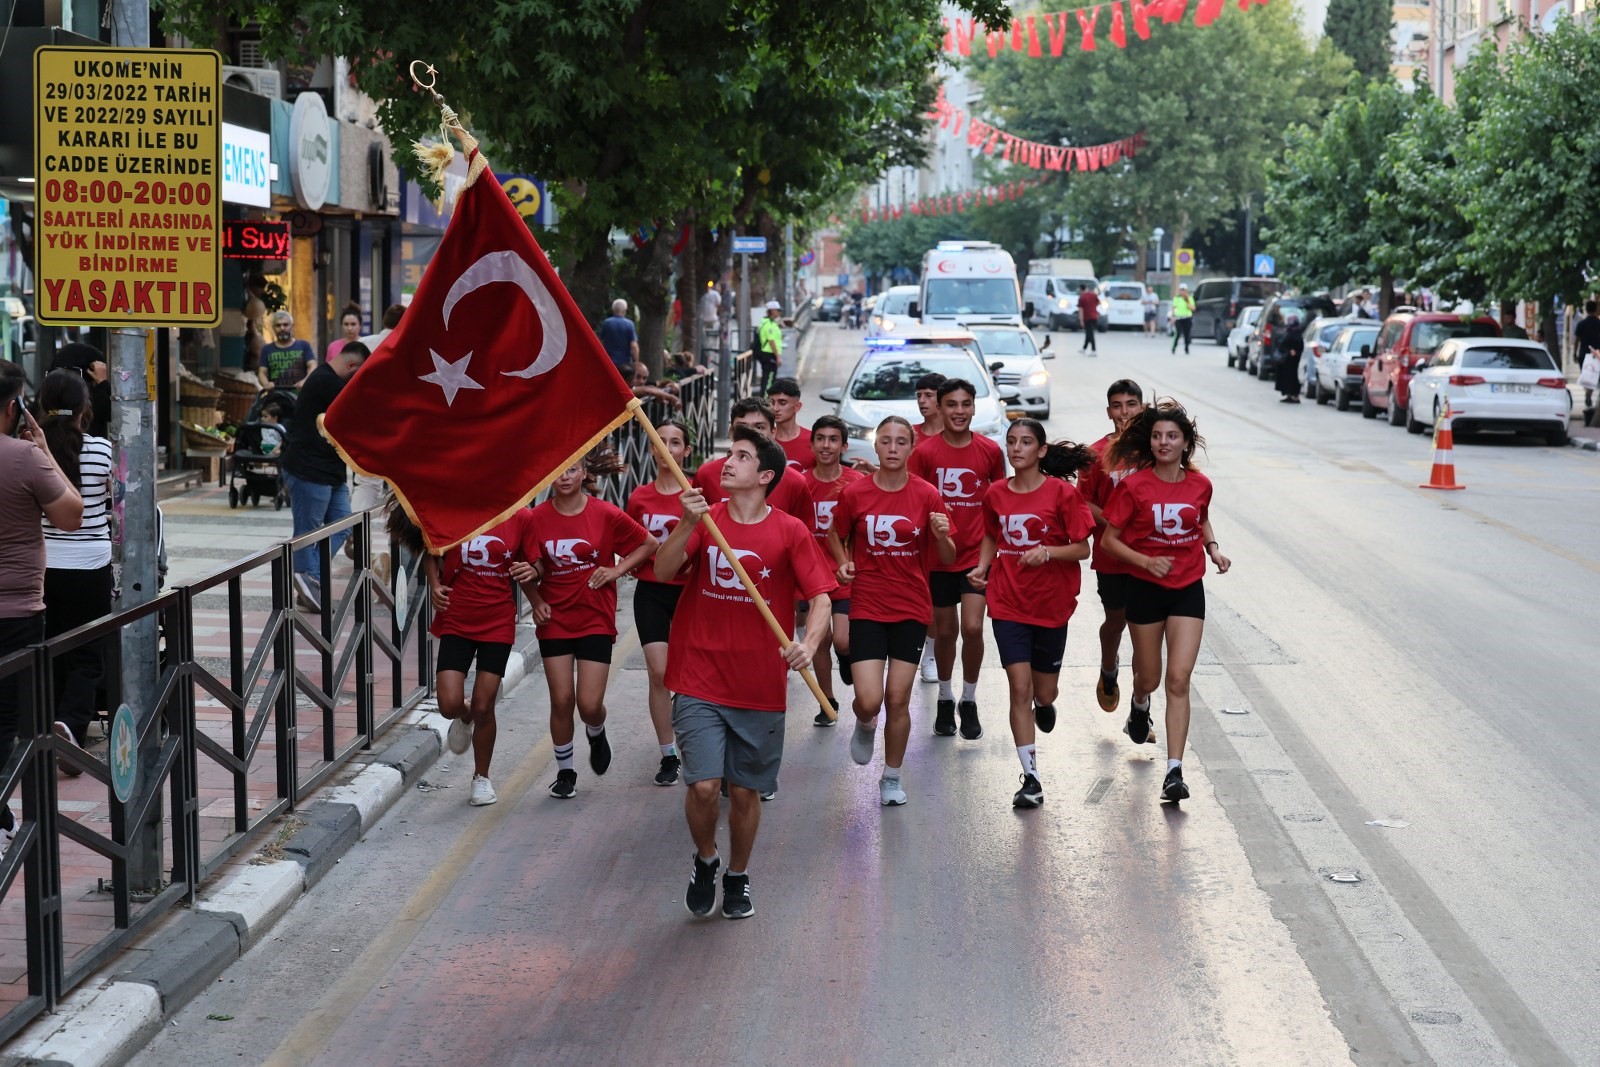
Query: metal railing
{"points": [[238, 735]]}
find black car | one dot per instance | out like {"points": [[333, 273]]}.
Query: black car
{"points": [[1217, 302], [1263, 346], [831, 309]]}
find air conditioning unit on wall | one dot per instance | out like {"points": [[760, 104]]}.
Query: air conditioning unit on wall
{"points": [[263, 81]]}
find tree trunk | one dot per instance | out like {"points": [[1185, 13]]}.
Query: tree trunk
{"points": [[1385, 294], [589, 281], [644, 280], [1550, 329], [689, 288]]}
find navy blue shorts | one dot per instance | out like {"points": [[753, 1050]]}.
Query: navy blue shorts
{"points": [[1040, 647]]}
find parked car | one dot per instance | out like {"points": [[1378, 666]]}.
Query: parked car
{"points": [[884, 383], [1319, 335], [1491, 383], [1122, 305], [1014, 358], [892, 311], [1407, 339], [1339, 370], [1054, 299], [1275, 315], [831, 309], [1239, 336], [1218, 301]]}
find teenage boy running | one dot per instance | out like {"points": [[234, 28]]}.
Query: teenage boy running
{"points": [[783, 397], [825, 481], [962, 466], [1124, 403], [730, 677]]}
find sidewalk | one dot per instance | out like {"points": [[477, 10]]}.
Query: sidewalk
{"points": [[1584, 437]]}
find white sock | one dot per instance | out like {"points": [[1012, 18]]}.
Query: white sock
{"points": [[927, 650], [593, 732], [969, 690], [564, 757], [891, 774], [669, 750], [1142, 704], [1172, 764], [945, 690], [1029, 757], [867, 727]]}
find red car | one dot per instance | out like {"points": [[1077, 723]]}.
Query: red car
{"points": [[1406, 341]]}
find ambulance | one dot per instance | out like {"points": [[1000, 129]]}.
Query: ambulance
{"points": [[968, 283]]}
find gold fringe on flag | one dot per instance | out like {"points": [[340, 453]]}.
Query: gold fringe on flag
{"points": [[436, 158]]}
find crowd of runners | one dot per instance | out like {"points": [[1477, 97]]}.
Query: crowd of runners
{"points": [[884, 569]]}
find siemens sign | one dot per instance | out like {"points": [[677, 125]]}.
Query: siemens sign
{"points": [[246, 166]]}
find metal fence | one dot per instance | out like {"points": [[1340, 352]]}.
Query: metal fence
{"points": [[240, 732]]}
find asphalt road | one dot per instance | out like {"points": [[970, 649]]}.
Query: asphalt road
{"points": [[1377, 653]]}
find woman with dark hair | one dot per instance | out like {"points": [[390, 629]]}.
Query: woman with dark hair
{"points": [[1291, 349], [77, 577], [1158, 520], [1036, 532], [89, 362]]}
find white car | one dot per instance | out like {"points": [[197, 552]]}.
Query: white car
{"points": [[892, 311], [1015, 358], [1340, 369], [1123, 305], [1239, 336], [884, 383], [1492, 383]]}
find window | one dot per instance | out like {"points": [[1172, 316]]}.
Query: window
{"points": [[1508, 358], [1124, 292], [895, 378], [971, 296], [1049, 288], [1259, 290], [1390, 334], [1006, 343], [1426, 337], [1208, 291]]}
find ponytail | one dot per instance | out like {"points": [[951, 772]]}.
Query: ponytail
{"points": [[1063, 459]]}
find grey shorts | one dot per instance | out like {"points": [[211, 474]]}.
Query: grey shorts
{"points": [[744, 747]]}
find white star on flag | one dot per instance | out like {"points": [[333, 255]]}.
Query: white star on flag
{"points": [[451, 377]]}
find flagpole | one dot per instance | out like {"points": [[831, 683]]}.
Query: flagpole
{"points": [[784, 640]]}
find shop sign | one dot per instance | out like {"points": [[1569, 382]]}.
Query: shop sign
{"points": [[246, 166], [254, 239], [311, 159]]}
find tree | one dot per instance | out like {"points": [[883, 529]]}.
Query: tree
{"points": [[1364, 31]]}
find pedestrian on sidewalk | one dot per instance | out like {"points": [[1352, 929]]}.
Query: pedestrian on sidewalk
{"points": [[1159, 522], [89, 362], [730, 677], [1150, 303], [619, 338], [32, 488], [1124, 402], [77, 577], [285, 362], [315, 474], [1288, 376], [1587, 336], [349, 330], [1182, 318], [1089, 316], [768, 349], [579, 537], [825, 481], [1036, 529]]}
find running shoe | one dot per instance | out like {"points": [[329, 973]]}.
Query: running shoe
{"points": [[1031, 795], [1108, 696], [64, 734], [736, 902], [1138, 727], [702, 894], [889, 792], [307, 593], [668, 774], [482, 792], [930, 669], [861, 743], [1173, 788], [1044, 717], [459, 739], [971, 728], [771, 794], [822, 718], [944, 719], [565, 787], [599, 752]]}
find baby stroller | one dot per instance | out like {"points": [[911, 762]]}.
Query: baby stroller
{"points": [[255, 460]]}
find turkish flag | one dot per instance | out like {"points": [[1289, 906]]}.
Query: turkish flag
{"points": [[490, 387]]}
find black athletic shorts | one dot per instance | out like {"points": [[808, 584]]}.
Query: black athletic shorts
{"points": [[457, 653], [1113, 590], [871, 640], [842, 607], [948, 587], [596, 648], [1041, 647], [1150, 603], [653, 605]]}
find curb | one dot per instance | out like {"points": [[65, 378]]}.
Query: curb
{"points": [[1586, 444], [111, 1017]]}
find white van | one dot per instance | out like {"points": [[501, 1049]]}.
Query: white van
{"points": [[1054, 298], [968, 283]]}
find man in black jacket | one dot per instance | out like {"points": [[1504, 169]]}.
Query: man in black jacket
{"points": [[319, 484]]}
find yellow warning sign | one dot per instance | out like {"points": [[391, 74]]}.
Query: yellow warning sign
{"points": [[127, 149]]}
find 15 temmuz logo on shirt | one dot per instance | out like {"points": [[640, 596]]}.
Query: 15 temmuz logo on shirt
{"points": [[1169, 521], [883, 531], [824, 514], [1015, 531], [570, 552], [953, 483], [477, 554], [660, 526]]}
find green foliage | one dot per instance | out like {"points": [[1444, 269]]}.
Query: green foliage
{"points": [[1364, 31]]}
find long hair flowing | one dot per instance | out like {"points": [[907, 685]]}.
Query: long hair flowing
{"points": [[1131, 447]]}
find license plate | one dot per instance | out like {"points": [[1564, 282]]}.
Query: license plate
{"points": [[1509, 387]]}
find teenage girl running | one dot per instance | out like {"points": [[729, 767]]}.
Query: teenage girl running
{"points": [[1036, 530], [1158, 520], [655, 506], [579, 538]]}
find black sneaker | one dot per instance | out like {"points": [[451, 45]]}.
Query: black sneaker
{"points": [[971, 728], [1044, 717], [702, 894], [1138, 726], [822, 718], [944, 719], [1173, 788], [599, 753], [565, 787], [1031, 795], [736, 902], [668, 774]]}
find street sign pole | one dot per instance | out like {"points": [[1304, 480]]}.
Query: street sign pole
{"points": [[788, 268], [725, 370]]}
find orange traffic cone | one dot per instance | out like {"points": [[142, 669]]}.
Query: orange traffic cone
{"points": [[1443, 475]]}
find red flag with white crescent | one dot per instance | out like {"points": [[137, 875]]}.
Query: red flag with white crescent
{"points": [[491, 386]]}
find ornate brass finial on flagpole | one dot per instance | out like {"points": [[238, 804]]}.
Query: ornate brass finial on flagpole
{"points": [[435, 158]]}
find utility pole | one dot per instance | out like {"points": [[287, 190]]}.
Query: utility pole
{"points": [[788, 268], [725, 371], [1249, 259]]}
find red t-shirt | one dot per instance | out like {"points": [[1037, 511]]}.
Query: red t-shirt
{"points": [[720, 648], [798, 449], [892, 546], [788, 495], [824, 498], [961, 475], [923, 433], [1053, 514], [658, 513], [1161, 518], [478, 575], [1088, 306], [1096, 484], [572, 546]]}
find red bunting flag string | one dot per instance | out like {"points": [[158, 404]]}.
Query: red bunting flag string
{"points": [[1037, 35], [991, 139], [953, 203]]}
